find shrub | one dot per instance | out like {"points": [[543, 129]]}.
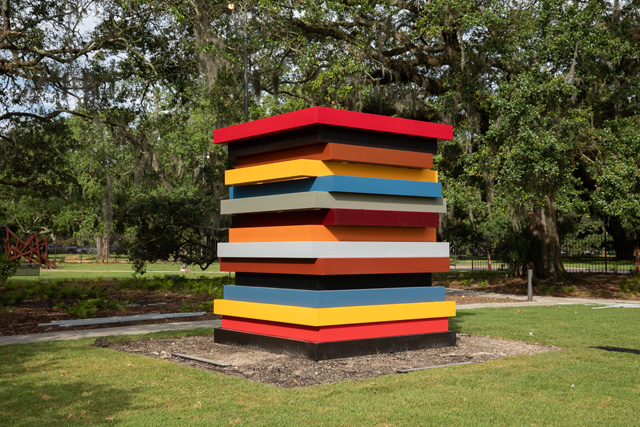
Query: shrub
{"points": [[139, 267], [186, 307], [12, 297], [82, 309], [5, 299], [88, 308], [71, 291], [156, 284], [211, 287], [96, 291], [206, 306], [46, 290], [128, 283], [546, 289], [7, 268], [482, 284], [629, 286]]}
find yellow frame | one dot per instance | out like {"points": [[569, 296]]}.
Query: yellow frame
{"points": [[334, 315], [306, 168]]}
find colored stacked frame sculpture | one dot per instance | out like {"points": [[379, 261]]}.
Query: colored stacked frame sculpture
{"points": [[333, 237]]}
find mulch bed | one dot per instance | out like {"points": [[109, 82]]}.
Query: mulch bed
{"points": [[25, 318], [603, 286]]}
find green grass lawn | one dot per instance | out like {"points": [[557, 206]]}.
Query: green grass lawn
{"points": [[75, 383], [97, 271]]}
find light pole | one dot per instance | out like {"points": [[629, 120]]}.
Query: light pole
{"points": [[231, 7]]}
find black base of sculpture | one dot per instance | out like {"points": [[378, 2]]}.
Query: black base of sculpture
{"points": [[335, 349]]}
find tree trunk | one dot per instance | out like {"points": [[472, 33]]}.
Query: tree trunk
{"points": [[206, 37], [546, 241], [104, 242], [623, 242]]}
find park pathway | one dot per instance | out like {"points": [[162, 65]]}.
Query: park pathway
{"points": [[104, 332]]}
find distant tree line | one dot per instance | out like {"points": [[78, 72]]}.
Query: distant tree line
{"points": [[108, 107]]}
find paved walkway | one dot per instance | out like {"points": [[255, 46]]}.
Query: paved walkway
{"points": [[519, 300], [103, 332]]}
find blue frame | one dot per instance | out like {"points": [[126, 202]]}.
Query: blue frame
{"points": [[341, 184], [339, 298]]}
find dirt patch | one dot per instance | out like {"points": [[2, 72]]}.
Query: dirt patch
{"points": [[293, 372]]}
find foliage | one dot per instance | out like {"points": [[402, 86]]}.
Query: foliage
{"points": [[86, 308], [7, 267], [546, 289], [83, 300], [139, 83], [59, 54], [518, 82], [629, 286], [39, 152], [181, 224], [139, 267], [14, 297], [212, 288], [202, 286], [47, 290], [482, 284], [542, 97], [82, 309]]}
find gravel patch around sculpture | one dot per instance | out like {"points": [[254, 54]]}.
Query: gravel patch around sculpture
{"points": [[292, 372]]}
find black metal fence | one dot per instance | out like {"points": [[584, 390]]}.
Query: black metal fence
{"points": [[83, 258], [472, 259], [600, 254], [589, 255]]}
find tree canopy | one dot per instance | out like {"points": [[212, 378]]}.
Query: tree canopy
{"points": [[108, 108]]}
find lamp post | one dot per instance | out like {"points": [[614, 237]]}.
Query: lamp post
{"points": [[231, 7], [205, 157]]}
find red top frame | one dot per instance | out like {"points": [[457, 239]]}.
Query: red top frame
{"points": [[331, 117]]}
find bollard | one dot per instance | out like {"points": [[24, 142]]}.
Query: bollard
{"points": [[530, 285]]}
